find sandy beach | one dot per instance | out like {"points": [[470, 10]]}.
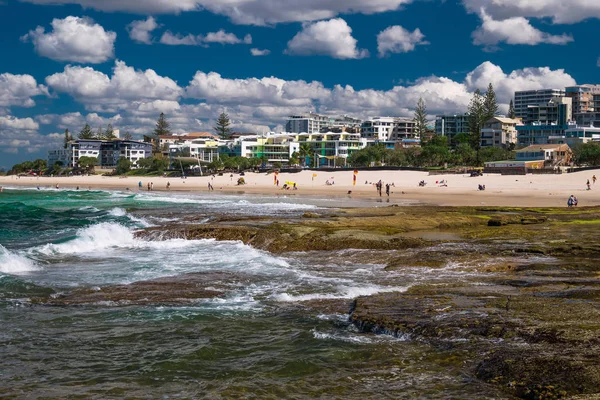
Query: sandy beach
{"points": [[461, 190]]}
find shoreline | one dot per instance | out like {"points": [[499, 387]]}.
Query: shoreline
{"points": [[461, 190]]}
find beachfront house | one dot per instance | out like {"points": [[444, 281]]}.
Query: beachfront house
{"points": [[552, 155]]}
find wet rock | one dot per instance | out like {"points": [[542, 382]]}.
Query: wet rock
{"points": [[177, 290], [536, 373]]}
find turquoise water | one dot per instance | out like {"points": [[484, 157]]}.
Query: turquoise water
{"points": [[259, 340]]}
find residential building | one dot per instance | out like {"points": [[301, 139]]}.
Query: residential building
{"points": [[316, 123], [583, 97], [558, 110], [451, 125], [552, 154], [545, 120], [388, 129], [525, 98], [108, 152], [205, 149], [273, 147], [499, 132], [586, 104], [168, 140]]}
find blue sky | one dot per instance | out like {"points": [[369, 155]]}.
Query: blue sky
{"points": [[68, 62]]}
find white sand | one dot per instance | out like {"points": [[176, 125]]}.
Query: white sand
{"points": [[529, 190]]}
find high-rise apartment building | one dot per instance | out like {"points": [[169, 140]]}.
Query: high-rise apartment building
{"points": [[525, 98], [557, 111], [586, 104]]}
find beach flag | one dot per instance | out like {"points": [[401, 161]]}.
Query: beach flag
{"points": [[314, 176], [355, 172], [275, 178], [354, 180]]}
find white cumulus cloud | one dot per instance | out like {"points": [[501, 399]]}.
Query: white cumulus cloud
{"points": [[249, 12], [259, 52], [560, 11], [74, 39], [96, 89], [261, 104], [396, 39], [140, 31], [222, 37], [330, 38], [514, 30], [18, 90]]}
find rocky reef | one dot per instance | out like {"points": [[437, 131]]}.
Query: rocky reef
{"points": [[526, 319]]}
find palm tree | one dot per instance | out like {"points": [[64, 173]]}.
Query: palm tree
{"points": [[303, 152]]}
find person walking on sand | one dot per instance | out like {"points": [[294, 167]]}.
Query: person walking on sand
{"points": [[140, 185], [168, 185], [151, 186], [148, 186], [588, 185], [387, 189], [594, 179]]}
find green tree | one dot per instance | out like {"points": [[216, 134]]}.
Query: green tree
{"points": [[435, 152], [161, 129], [67, 139], [109, 133], [57, 168], [216, 165], [494, 153], [294, 160], [420, 118], [39, 165], [87, 163], [222, 128], [123, 166], [305, 152], [511, 110], [127, 136], [587, 154], [476, 117], [154, 164], [86, 132], [490, 104], [464, 154], [100, 134]]}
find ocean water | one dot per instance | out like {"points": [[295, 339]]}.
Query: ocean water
{"points": [[261, 339]]}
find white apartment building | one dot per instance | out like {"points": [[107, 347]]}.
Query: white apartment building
{"points": [[388, 129], [108, 152], [526, 98], [315, 123], [499, 132]]}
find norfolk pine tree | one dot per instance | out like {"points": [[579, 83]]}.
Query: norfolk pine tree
{"points": [[86, 132], [511, 110], [222, 127], [127, 136], [161, 129], [109, 133], [420, 118], [490, 104], [476, 114]]}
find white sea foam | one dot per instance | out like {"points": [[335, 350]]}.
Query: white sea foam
{"points": [[354, 338], [15, 264], [342, 293], [107, 235], [117, 212], [120, 212]]}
